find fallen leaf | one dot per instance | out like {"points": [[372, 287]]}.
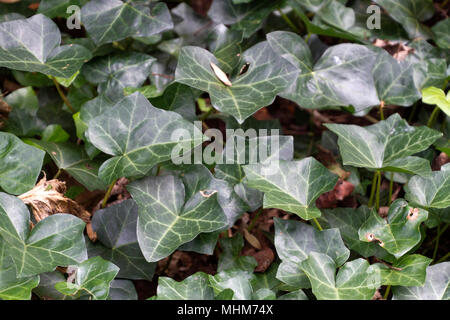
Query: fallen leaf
{"points": [[398, 50], [264, 258], [252, 239]]}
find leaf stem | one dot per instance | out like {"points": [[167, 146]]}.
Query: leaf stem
{"points": [[381, 110], [436, 246], [57, 174], [391, 187], [318, 224], [444, 258], [372, 192], [441, 232], [413, 112], [386, 293], [62, 95], [255, 218], [377, 203], [433, 117], [288, 21], [108, 193]]}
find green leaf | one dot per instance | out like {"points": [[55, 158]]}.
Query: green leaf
{"points": [[226, 46], [195, 287], [231, 257], [46, 288], [400, 233], [266, 77], [116, 230], [114, 73], [295, 295], [432, 191], [355, 280], [441, 31], [55, 241], [138, 136], [122, 290], [20, 164], [74, 161], [436, 96], [341, 77], [113, 20], [55, 133], [409, 13], [167, 218], [348, 221], [58, 8], [386, 145], [204, 243], [237, 280], [33, 45], [92, 276], [436, 286], [275, 180], [412, 271]]}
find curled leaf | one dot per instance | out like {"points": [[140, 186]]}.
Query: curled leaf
{"points": [[222, 76]]}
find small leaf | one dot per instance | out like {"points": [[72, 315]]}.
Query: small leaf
{"points": [[231, 257], [436, 96], [195, 287], [220, 75]]}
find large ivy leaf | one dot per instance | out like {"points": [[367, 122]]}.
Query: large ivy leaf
{"points": [[76, 162], [138, 135], [295, 240], [409, 13], [92, 276], [400, 233], [266, 77], [116, 229], [275, 180], [432, 191], [409, 270], [20, 164], [355, 280], [436, 286], [341, 77], [236, 280], [55, 241], [114, 73], [387, 145], [167, 219], [112, 20], [33, 44], [195, 287]]}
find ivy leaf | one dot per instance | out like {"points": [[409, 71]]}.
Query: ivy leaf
{"points": [[93, 276], [113, 20], [275, 180], [20, 164], [58, 8], [436, 286], [55, 241], [436, 96], [74, 161], [295, 295], [122, 290], [167, 219], [231, 257], [266, 77], [432, 191], [247, 17], [237, 280], [442, 33], [355, 280], [116, 230], [33, 45], [46, 288], [204, 243], [114, 73], [195, 287], [400, 233], [409, 13], [348, 221], [412, 271], [341, 77], [138, 135], [386, 145]]}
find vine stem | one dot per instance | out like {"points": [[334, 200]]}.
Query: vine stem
{"points": [[436, 247], [255, 218], [62, 95], [377, 201], [444, 258], [381, 110], [391, 187], [386, 294], [57, 174], [288, 21], [372, 192], [318, 224], [433, 117], [108, 193]]}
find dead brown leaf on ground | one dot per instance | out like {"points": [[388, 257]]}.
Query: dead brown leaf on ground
{"points": [[5, 109], [439, 161], [396, 49], [341, 190]]}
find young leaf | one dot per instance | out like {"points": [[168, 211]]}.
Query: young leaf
{"points": [[167, 219], [113, 20], [33, 45], [355, 280], [115, 227], [387, 145], [195, 287], [138, 135], [436, 286], [409, 270], [310, 178], [432, 191], [266, 77], [55, 241], [436, 96], [20, 164], [92, 276], [400, 233]]}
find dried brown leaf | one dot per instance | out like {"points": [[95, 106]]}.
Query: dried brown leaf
{"points": [[396, 49]]}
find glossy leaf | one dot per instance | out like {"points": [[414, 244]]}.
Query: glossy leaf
{"points": [[122, 290], [436, 96], [231, 258], [237, 280], [409, 270], [195, 287]]}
